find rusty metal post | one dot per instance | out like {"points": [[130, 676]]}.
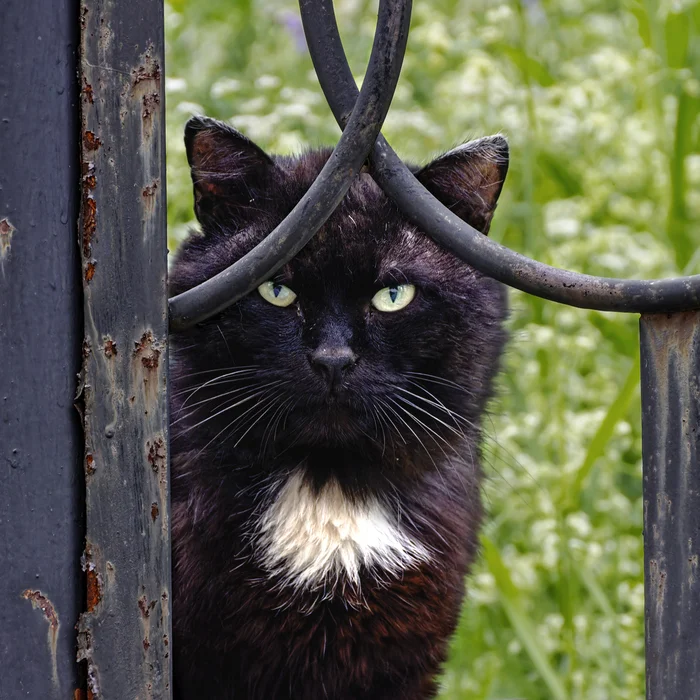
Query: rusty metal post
{"points": [[40, 329], [670, 353], [125, 634]]}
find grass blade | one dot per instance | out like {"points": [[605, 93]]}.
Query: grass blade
{"points": [[616, 412], [523, 626]]}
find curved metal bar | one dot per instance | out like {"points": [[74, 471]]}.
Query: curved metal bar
{"points": [[365, 121], [491, 258]]}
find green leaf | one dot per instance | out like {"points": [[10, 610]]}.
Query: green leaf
{"points": [[677, 31], [616, 412]]}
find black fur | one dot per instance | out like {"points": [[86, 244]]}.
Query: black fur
{"points": [[240, 631]]}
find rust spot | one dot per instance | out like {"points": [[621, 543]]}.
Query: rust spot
{"points": [[150, 101], [145, 607], [79, 694], [41, 602], [89, 464], [147, 348], [156, 455], [87, 88], [89, 271], [146, 644], [94, 589], [150, 190], [154, 511], [145, 86], [92, 142], [6, 231], [150, 70], [89, 224], [89, 179], [110, 348], [166, 641]]}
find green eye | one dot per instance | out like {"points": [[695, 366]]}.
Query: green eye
{"points": [[394, 298], [277, 294]]}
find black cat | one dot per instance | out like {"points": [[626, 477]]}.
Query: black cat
{"points": [[325, 433]]}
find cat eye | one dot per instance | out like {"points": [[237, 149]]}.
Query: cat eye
{"points": [[394, 298], [276, 294]]}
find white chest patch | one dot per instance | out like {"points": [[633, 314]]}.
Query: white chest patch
{"points": [[313, 537]]}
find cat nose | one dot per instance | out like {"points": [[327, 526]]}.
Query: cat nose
{"points": [[333, 362]]}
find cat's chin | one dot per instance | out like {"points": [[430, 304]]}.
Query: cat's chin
{"points": [[334, 429]]}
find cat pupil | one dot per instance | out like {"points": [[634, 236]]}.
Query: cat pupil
{"points": [[276, 290], [393, 293]]}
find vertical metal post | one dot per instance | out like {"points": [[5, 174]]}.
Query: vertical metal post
{"points": [[125, 633], [670, 354], [41, 588]]}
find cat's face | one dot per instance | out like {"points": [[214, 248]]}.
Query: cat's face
{"points": [[373, 339]]}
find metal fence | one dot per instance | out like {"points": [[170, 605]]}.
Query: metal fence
{"points": [[91, 546]]}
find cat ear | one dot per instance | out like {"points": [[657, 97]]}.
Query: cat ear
{"points": [[469, 179], [229, 172]]}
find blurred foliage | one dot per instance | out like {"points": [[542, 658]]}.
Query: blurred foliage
{"points": [[600, 101]]}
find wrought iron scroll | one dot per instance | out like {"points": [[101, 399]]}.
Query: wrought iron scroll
{"points": [[495, 260], [669, 347], [362, 124]]}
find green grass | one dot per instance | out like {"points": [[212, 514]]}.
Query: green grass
{"points": [[601, 103]]}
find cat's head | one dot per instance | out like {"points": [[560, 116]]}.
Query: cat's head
{"points": [[373, 340]]}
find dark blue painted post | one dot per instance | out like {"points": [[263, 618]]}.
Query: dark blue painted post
{"points": [[41, 510], [670, 347]]}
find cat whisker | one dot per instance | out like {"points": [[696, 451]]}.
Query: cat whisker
{"points": [[237, 394], [224, 429], [382, 407], [456, 416], [426, 427], [427, 451], [223, 410], [435, 436], [271, 429], [440, 406], [228, 393], [435, 379], [235, 374], [255, 421], [217, 369]]}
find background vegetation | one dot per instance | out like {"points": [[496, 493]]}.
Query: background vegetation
{"points": [[600, 102]]}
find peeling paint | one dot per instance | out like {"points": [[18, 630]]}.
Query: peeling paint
{"points": [[40, 602], [94, 590], [87, 91], [6, 232], [150, 190], [89, 215], [148, 349], [145, 87], [156, 456], [145, 607], [90, 270], [110, 347], [92, 142]]}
